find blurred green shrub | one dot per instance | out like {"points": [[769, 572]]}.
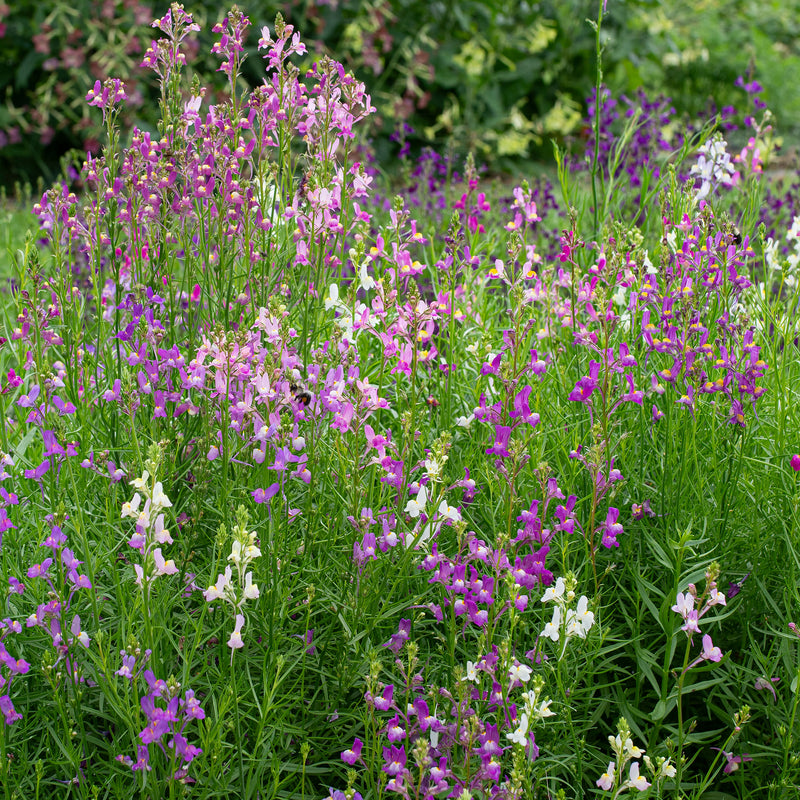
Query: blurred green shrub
{"points": [[483, 75]]}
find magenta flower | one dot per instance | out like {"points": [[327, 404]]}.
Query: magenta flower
{"points": [[500, 446], [585, 386], [352, 755], [795, 462], [611, 529], [394, 760]]}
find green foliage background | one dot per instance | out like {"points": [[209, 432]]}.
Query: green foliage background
{"points": [[469, 75]]}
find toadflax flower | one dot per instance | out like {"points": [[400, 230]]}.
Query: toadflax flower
{"points": [[236, 590]]}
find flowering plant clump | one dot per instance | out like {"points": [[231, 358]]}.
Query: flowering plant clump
{"points": [[236, 591], [428, 479], [150, 530], [626, 756], [167, 714]]}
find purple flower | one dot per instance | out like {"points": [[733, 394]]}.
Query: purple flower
{"points": [[38, 473], [500, 446], [8, 711], [265, 495], [398, 639], [585, 386], [354, 753], [40, 570], [611, 529], [394, 759]]}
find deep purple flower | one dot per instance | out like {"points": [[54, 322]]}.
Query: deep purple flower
{"points": [[500, 446], [611, 528], [398, 639], [585, 386]]}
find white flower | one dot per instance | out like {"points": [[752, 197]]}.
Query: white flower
{"points": [[552, 628], [580, 620], [160, 500], [667, 770], [364, 280], [141, 483], [250, 589], [519, 735], [131, 509], [519, 673], [416, 505], [554, 592], [433, 468], [631, 750], [449, 512], [332, 300], [472, 673], [543, 709], [606, 780]]}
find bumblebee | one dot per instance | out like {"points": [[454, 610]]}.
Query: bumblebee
{"points": [[301, 394]]}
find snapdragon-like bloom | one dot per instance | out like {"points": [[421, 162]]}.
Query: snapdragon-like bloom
{"points": [[235, 591], [606, 780], [236, 640], [351, 755], [520, 733]]}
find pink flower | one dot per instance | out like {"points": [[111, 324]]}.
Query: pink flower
{"points": [[236, 640]]}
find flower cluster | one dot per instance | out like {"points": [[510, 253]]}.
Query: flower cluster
{"points": [[13, 666], [700, 358], [626, 752], [61, 572], [477, 739], [714, 167], [150, 530], [567, 621], [237, 590], [167, 715], [693, 607]]}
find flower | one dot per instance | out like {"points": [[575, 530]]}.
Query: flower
{"points": [[352, 755], [635, 780], [606, 780], [552, 628], [766, 683], [710, 652], [519, 736], [236, 640], [472, 673], [519, 672], [554, 592], [416, 505], [580, 621]]}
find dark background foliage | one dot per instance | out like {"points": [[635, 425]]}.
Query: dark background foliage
{"points": [[477, 75]]}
